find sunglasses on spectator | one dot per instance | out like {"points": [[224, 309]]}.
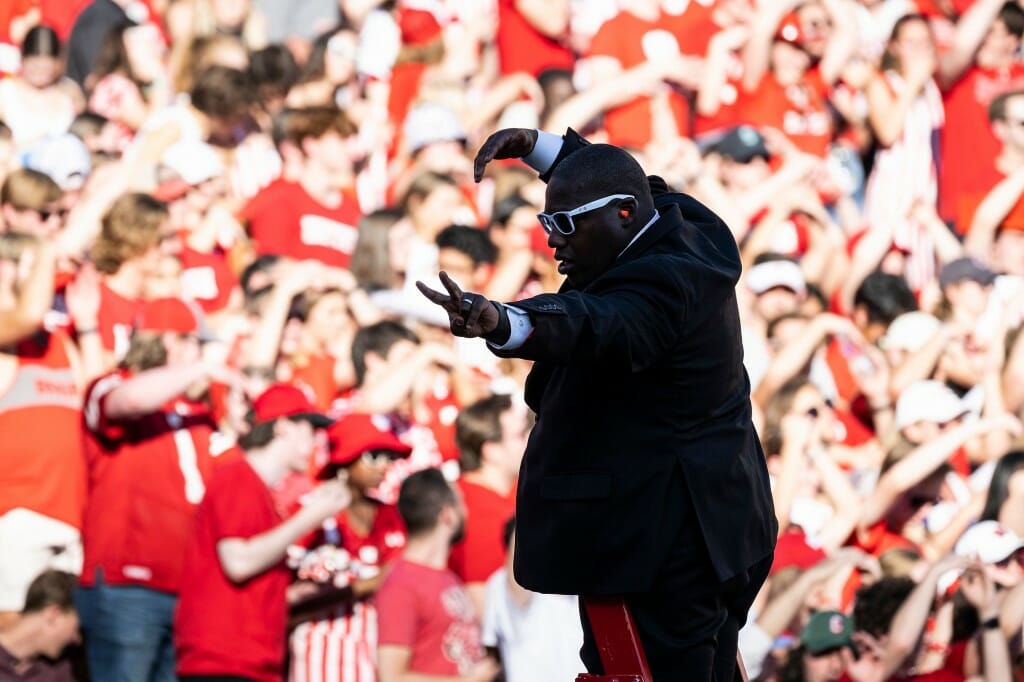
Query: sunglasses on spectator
{"points": [[562, 220], [1017, 556], [815, 412], [46, 213]]}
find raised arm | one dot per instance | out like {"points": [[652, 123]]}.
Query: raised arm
{"points": [[970, 31]]}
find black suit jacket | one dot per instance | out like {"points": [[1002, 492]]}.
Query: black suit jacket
{"points": [[643, 414]]}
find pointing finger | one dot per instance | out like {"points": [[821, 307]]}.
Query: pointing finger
{"points": [[434, 296]]}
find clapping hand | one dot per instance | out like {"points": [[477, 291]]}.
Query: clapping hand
{"points": [[469, 315]]}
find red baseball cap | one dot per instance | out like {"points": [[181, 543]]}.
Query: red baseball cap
{"points": [[792, 550], [355, 434], [286, 401], [167, 315]]}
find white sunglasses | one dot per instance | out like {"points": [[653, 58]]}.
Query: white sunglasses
{"points": [[562, 220]]}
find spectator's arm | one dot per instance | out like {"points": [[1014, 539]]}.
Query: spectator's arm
{"points": [[757, 52], [941, 543], [783, 184], [548, 17], [921, 363], [34, 297], [266, 339], [385, 394], [970, 31], [778, 615], [795, 355], [716, 68], [148, 391], [105, 185], [797, 431], [980, 591], [82, 296], [843, 42], [1013, 376], [870, 251], [887, 112], [1011, 617], [510, 273], [611, 87], [947, 246], [845, 502], [993, 209], [922, 461], [393, 666], [244, 558], [502, 93], [908, 623]]}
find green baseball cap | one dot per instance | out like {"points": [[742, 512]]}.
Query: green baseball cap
{"points": [[825, 631]]}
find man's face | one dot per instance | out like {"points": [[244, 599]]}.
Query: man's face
{"points": [[514, 432], [1011, 129], [776, 302], [460, 267], [301, 437], [600, 234], [60, 631], [1008, 252], [824, 667], [998, 47], [44, 222]]}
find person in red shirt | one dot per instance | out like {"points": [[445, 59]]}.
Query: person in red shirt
{"points": [[785, 86], [427, 625], [231, 619], [311, 211], [134, 236], [491, 435], [147, 446], [42, 472], [349, 556], [982, 63], [531, 36], [640, 32]]}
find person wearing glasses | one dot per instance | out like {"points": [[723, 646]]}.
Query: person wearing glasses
{"points": [[643, 475]]}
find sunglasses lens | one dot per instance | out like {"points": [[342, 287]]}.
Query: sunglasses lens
{"points": [[545, 222], [563, 223]]}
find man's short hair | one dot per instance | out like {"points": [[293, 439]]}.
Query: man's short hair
{"points": [[51, 588], [421, 498], [601, 169], [130, 228], [87, 123], [273, 70], [296, 125], [471, 241], [27, 189], [885, 297], [377, 338], [477, 424], [1012, 16], [997, 107], [223, 92]]}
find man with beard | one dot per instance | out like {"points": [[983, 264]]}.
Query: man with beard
{"points": [[427, 624]]}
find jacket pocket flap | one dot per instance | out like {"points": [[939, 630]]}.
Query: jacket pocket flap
{"points": [[582, 486]]}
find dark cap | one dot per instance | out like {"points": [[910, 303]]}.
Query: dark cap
{"points": [[826, 631], [742, 144], [960, 269]]}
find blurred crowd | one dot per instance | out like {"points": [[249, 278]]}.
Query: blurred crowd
{"points": [[213, 213]]}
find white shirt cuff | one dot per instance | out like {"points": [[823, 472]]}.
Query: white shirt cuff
{"points": [[544, 153], [521, 328], [755, 645]]}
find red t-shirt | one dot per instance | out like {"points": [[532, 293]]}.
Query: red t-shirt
{"points": [[222, 627], [481, 551], [116, 319], [879, 539], [428, 610], [522, 48], [632, 41], [694, 27], [285, 220], [968, 161], [800, 111], [146, 477], [206, 279], [968, 205]]}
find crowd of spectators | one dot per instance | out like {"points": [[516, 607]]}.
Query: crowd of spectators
{"points": [[218, 386]]}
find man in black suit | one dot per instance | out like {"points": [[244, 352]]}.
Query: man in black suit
{"points": [[643, 475]]}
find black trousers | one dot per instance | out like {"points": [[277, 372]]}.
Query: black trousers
{"points": [[688, 622]]}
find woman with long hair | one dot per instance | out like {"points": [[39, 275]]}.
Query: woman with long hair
{"points": [[129, 79], [39, 101], [1005, 501]]}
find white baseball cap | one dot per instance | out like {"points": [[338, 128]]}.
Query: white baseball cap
{"points": [[64, 157], [193, 161], [776, 273], [910, 331], [929, 401], [429, 123], [988, 541]]}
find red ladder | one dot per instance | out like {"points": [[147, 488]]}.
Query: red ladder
{"points": [[618, 644]]}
